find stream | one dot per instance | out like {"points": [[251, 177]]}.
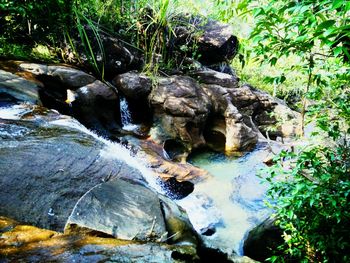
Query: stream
{"points": [[222, 208], [231, 202]]}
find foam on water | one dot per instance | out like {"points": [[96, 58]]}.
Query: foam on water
{"points": [[234, 195], [114, 150], [13, 112], [125, 112]]}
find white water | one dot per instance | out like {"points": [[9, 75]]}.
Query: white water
{"points": [[231, 201], [112, 150], [14, 112]]}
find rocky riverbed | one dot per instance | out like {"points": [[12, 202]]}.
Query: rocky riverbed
{"points": [[94, 170]]}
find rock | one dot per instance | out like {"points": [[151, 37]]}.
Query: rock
{"points": [[116, 56], [136, 87], [270, 114], [213, 41], [14, 88], [69, 77], [217, 78], [236, 135], [97, 107], [153, 154], [262, 240], [121, 209], [31, 244], [181, 108], [260, 111], [180, 229], [95, 103], [45, 169], [133, 85], [217, 43]]}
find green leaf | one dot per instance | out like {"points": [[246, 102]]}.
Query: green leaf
{"points": [[337, 51], [326, 24], [337, 3]]}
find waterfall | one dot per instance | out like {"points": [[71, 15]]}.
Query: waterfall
{"points": [[126, 118], [111, 150], [115, 151], [125, 112]]}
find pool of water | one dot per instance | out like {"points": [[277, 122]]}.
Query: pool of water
{"points": [[232, 200]]}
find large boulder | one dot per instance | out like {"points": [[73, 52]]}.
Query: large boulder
{"points": [[269, 114], [263, 240], [60, 75], [25, 243], [133, 85], [80, 182], [111, 55], [94, 103], [136, 87], [213, 41], [46, 168], [14, 88], [181, 108], [121, 209], [228, 121]]}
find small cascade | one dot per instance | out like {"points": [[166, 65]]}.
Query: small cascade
{"points": [[125, 113], [112, 150], [115, 151]]}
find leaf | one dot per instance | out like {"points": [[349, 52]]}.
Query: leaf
{"points": [[337, 3], [337, 51], [326, 24]]}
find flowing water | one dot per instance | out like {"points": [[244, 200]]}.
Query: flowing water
{"points": [[232, 201], [111, 150], [126, 117]]}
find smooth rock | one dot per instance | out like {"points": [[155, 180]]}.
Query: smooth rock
{"points": [[133, 85], [18, 88], [25, 243], [45, 169], [215, 77], [69, 77], [121, 209], [181, 108], [97, 107], [262, 240]]}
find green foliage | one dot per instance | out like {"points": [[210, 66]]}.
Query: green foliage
{"points": [[310, 192]]}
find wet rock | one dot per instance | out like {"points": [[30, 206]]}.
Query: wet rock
{"points": [[67, 76], [228, 121], [154, 156], [181, 108], [46, 168], [15, 88], [96, 105], [262, 240], [26, 243], [136, 87], [133, 85], [121, 209], [177, 190], [179, 227], [217, 78]]}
